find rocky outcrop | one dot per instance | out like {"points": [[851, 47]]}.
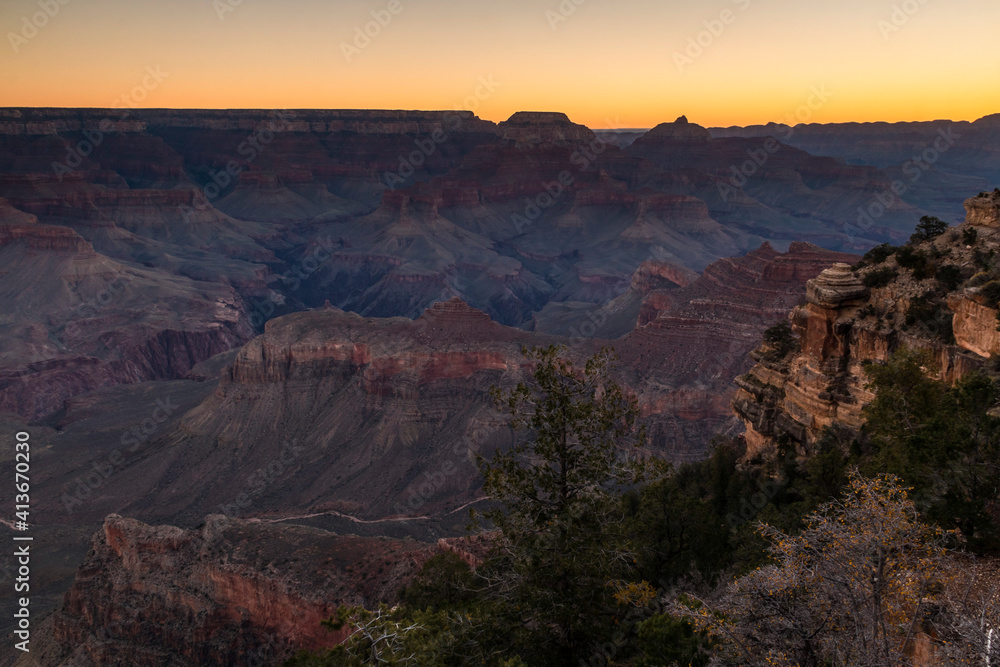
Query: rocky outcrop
{"points": [[85, 321], [652, 275], [836, 288], [289, 352], [798, 398], [140, 355], [983, 210], [682, 343], [679, 130], [533, 128], [692, 340], [17, 226], [795, 393], [231, 592], [975, 325]]}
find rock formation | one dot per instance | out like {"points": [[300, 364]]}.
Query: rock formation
{"points": [[428, 200], [817, 388], [231, 592], [679, 130], [383, 213], [845, 325], [967, 151], [975, 324], [385, 414], [79, 320], [983, 210], [693, 340], [529, 129]]}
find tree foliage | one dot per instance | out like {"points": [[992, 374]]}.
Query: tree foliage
{"points": [[940, 439], [928, 228], [780, 340], [445, 583], [389, 636], [581, 525], [562, 558], [847, 590]]}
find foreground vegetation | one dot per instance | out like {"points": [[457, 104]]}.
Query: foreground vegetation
{"points": [[600, 557], [873, 548]]}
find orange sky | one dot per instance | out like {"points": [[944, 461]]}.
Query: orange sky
{"points": [[628, 63]]}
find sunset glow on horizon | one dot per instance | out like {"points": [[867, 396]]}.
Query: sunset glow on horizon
{"points": [[608, 65]]}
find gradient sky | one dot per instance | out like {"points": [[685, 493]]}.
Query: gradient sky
{"points": [[608, 64]]}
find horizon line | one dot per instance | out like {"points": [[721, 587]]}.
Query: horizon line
{"points": [[399, 110]]}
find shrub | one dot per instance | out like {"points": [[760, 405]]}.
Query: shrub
{"points": [[878, 254], [930, 227], [931, 316], [915, 260], [984, 259], [950, 276], [781, 340], [938, 253], [991, 291], [444, 582], [969, 236], [666, 640], [880, 277]]}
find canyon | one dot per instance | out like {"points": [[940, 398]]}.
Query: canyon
{"points": [[350, 425], [231, 218], [255, 348]]}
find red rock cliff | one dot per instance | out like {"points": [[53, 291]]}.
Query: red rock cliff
{"points": [[229, 593]]}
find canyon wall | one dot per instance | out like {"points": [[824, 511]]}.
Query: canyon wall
{"points": [[845, 325], [230, 592]]}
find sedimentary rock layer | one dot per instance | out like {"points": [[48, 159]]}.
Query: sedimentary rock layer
{"points": [[230, 592]]}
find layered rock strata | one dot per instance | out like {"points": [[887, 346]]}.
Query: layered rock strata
{"points": [[231, 592], [845, 325], [983, 210]]}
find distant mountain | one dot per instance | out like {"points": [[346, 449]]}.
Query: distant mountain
{"points": [[939, 162]]}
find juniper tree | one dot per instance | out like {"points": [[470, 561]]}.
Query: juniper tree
{"points": [[562, 558]]}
